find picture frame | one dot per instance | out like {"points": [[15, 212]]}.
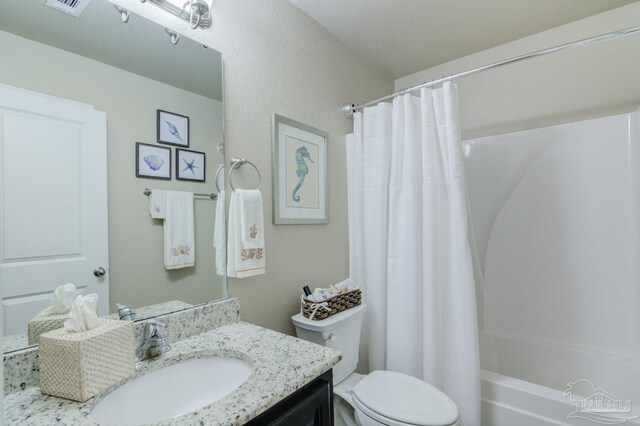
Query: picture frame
{"points": [[300, 187], [190, 165], [172, 128], [152, 161]]}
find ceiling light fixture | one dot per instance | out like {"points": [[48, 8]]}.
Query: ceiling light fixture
{"points": [[124, 13], [174, 35], [196, 12]]}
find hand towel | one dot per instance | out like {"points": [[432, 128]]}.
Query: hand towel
{"points": [[245, 248], [179, 238], [157, 204], [220, 235]]}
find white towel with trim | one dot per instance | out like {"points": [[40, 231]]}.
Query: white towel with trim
{"points": [[157, 204], [179, 236], [220, 235], [245, 247]]}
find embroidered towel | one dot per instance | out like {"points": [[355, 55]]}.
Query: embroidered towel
{"points": [[220, 235], [245, 248], [157, 203], [179, 238]]}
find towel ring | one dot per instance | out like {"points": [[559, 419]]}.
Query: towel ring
{"points": [[221, 168], [236, 163]]}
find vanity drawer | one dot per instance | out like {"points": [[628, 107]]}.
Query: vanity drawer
{"points": [[312, 405]]}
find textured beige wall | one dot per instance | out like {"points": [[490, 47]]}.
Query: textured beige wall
{"points": [[137, 275], [278, 60], [582, 83]]}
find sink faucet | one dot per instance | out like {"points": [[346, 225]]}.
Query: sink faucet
{"points": [[152, 343]]}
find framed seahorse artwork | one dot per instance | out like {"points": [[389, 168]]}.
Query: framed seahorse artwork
{"points": [[299, 173], [172, 128]]}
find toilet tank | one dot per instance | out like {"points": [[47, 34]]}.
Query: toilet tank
{"points": [[340, 332]]}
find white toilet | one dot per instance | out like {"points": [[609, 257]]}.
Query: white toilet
{"points": [[381, 397]]}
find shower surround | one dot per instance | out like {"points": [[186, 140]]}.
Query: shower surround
{"points": [[554, 214]]}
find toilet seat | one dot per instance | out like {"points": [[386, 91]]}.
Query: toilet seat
{"points": [[397, 399], [362, 411]]}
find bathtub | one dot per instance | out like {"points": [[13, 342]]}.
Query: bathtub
{"points": [[523, 381]]}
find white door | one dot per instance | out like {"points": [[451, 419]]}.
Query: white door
{"points": [[53, 202]]}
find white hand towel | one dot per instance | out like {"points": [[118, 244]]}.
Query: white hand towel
{"points": [[179, 238], [220, 235], [231, 240], [245, 248], [157, 204]]}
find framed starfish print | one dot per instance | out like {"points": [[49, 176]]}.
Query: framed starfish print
{"points": [[299, 173], [190, 165], [172, 128]]}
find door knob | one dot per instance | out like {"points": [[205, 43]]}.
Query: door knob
{"points": [[99, 272]]}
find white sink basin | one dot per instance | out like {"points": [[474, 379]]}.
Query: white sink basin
{"points": [[172, 391]]}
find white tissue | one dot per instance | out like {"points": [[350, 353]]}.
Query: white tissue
{"points": [[61, 300], [84, 314]]}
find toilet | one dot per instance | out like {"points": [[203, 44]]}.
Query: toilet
{"points": [[381, 397]]}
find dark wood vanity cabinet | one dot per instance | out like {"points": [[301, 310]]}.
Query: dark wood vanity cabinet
{"points": [[311, 405]]}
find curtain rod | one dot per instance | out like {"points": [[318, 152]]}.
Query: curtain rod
{"points": [[350, 109]]}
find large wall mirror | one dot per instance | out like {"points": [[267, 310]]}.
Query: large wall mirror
{"points": [[74, 211]]}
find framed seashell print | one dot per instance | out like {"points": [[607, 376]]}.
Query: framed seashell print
{"points": [[153, 161], [172, 128]]}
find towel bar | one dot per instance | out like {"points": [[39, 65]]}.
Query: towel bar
{"points": [[147, 192]]}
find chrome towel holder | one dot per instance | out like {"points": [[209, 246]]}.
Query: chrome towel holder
{"points": [[236, 163], [221, 168], [147, 192]]}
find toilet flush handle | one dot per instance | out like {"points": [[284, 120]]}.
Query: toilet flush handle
{"points": [[331, 338]]}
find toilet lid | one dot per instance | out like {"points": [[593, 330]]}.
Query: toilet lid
{"points": [[405, 399]]}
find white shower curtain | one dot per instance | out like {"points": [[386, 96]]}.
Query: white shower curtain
{"points": [[409, 246]]}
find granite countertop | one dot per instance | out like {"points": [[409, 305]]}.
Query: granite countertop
{"points": [[144, 312], [15, 342], [281, 365], [18, 342]]}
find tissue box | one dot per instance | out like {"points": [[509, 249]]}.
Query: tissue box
{"points": [[78, 366], [42, 323]]}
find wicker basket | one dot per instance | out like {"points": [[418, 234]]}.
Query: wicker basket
{"points": [[333, 305], [42, 323], [78, 366]]}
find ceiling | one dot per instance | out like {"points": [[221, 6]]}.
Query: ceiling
{"points": [[140, 46], [402, 37]]}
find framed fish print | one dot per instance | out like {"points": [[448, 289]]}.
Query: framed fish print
{"points": [[153, 161], [190, 165], [299, 173], [172, 128]]}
